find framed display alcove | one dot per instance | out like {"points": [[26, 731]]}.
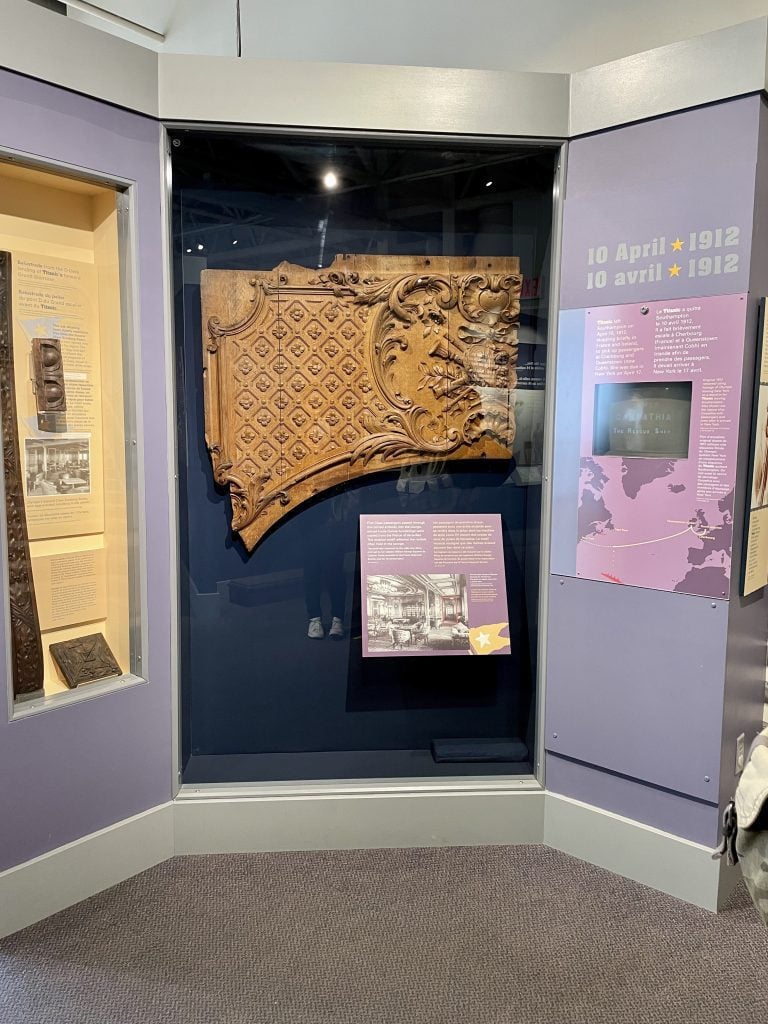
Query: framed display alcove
{"points": [[362, 326], [69, 438]]}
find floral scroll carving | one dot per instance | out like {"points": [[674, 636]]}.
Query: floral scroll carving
{"points": [[316, 377]]}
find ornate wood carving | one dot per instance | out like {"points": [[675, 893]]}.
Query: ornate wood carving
{"points": [[26, 646], [51, 396], [85, 659], [315, 377]]}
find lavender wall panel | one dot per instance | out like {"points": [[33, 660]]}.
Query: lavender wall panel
{"points": [[635, 682], [75, 769], [659, 181], [671, 812], [647, 690]]}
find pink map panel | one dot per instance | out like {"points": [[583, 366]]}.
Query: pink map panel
{"points": [[661, 522]]}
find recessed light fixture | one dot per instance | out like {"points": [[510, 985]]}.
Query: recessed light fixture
{"points": [[488, 184], [200, 246], [330, 179], [234, 242], [189, 250]]}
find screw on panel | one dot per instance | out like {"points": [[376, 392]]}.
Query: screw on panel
{"points": [[554, 735], [706, 778]]}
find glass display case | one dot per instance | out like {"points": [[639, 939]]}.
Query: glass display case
{"points": [[361, 337], [68, 455]]}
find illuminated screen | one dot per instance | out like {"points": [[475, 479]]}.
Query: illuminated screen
{"points": [[643, 420]]}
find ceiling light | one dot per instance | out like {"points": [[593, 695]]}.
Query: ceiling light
{"points": [[330, 179], [488, 184], [235, 242], [189, 250], [200, 246]]}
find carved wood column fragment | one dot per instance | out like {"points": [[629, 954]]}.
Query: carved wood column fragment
{"points": [[26, 645], [314, 377]]}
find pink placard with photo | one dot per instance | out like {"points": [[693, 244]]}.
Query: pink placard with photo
{"points": [[433, 585]]}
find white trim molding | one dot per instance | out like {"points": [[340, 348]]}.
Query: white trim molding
{"points": [[647, 855], [717, 66], [378, 97], [341, 816], [197, 88], [42, 44], [356, 816], [65, 876]]}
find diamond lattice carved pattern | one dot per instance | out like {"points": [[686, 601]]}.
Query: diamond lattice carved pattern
{"points": [[315, 377]]}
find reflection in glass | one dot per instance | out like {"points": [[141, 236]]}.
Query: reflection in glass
{"points": [[273, 679]]}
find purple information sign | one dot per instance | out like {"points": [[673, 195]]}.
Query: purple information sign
{"points": [[433, 585], [659, 437]]}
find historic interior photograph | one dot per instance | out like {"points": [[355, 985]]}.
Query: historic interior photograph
{"points": [[417, 612], [58, 466]]}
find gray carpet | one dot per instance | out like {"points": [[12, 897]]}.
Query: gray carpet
{"points": [[495, 935]]}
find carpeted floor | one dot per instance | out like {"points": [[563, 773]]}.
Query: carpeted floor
{"points": [[491, 935]]}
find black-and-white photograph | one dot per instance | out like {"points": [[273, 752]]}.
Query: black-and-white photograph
{"points": [[411, 613], [57, 466]]}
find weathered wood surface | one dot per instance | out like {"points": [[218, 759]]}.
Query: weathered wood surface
{"points": [[26, 645], [315, 377]]}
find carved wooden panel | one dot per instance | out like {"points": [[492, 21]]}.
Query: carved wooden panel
{"points": [[50, 393], [86, 659], [26, 646], [315, 377]]}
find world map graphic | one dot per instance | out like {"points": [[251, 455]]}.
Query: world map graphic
{"points": [[640, 524]]}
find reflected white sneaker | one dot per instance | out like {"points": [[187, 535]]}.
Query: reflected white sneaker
{"points": [[336, 632], [315, 631]]}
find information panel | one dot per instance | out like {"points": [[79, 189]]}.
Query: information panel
{"points": [[57, 299], [433, 585], [658, 443]]}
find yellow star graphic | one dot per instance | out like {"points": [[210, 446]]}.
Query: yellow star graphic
{"points": [[674, 270], [487, 639], [677, 245]]}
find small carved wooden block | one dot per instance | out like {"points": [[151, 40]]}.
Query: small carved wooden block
{"points": [[313, 378], [49, 375], [85, 660]]}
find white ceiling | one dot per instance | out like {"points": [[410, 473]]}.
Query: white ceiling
{"points": [[548, 35]]}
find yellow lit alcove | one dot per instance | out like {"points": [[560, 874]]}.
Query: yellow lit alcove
{"points": [[62, 234]]}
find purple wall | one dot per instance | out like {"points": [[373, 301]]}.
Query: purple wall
{"points": [[664, 809], [647, 690], [659, 179], [72, 770]]}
